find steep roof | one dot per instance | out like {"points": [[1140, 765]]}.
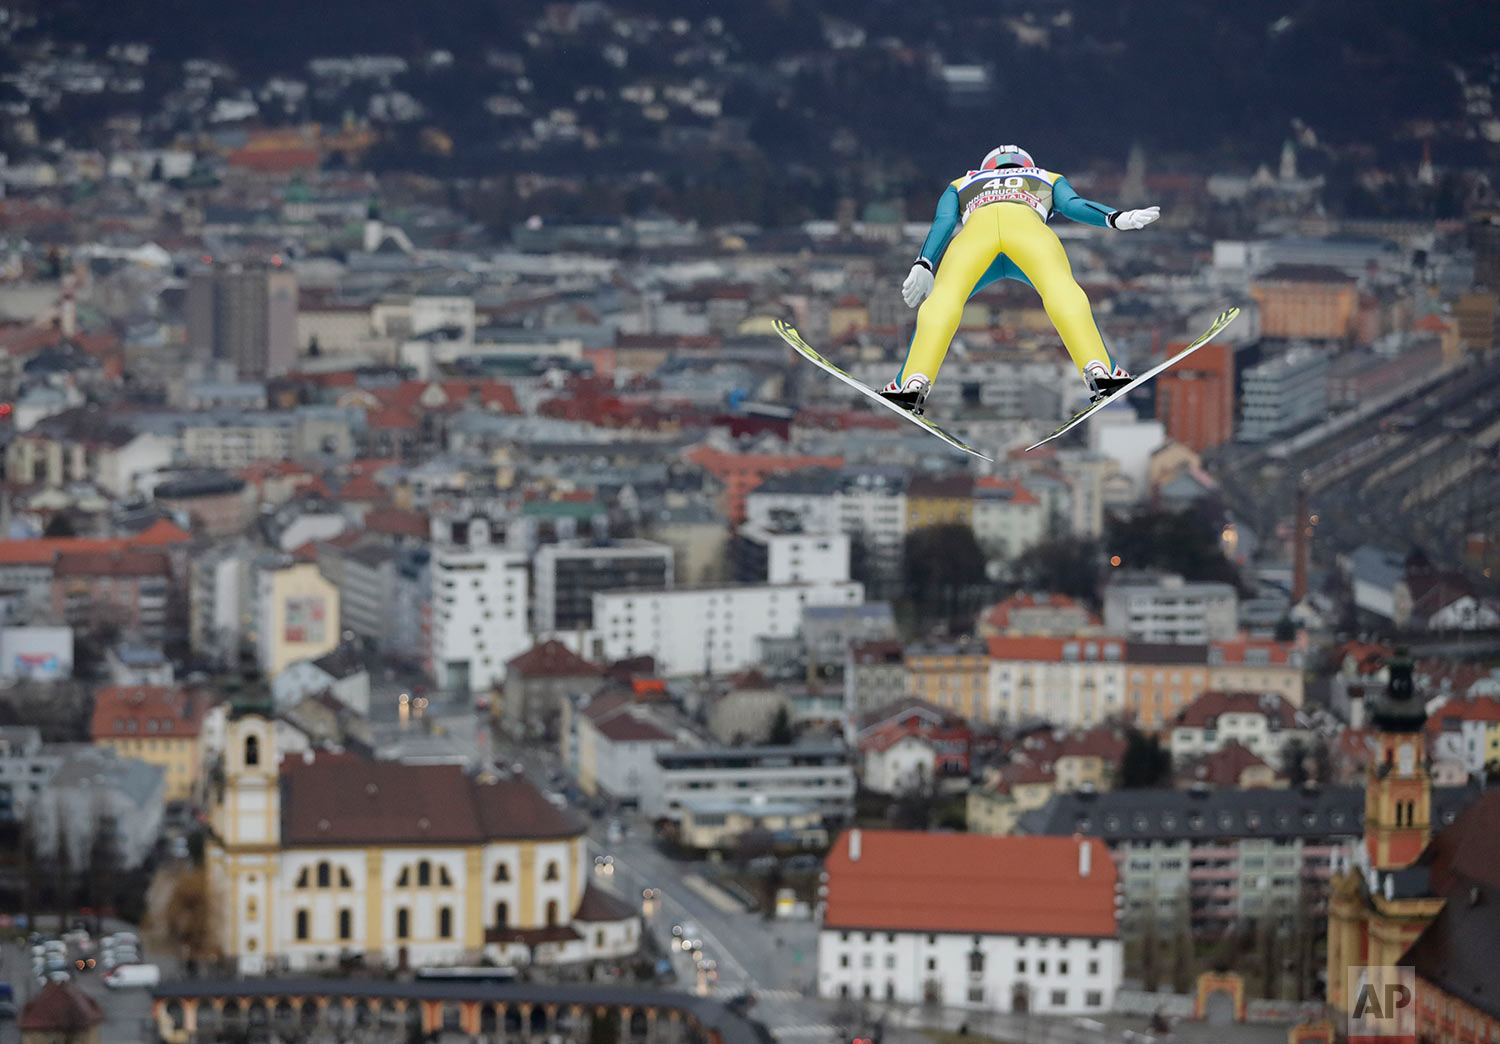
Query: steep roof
{"points": [[146, 712], [1223, 767], [973, 884], [553, 659], [60, 1007], [1212, 705], [598, 906], [356, 802]]}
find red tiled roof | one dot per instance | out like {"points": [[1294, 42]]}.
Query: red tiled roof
{"points": [[146, 712], [1233, 653], [998, 615], [1216, 704], [969, 884], [1106, 744], [1005, 489], [627, 728], [1002, 647], [389, 417], [887, 736], [60, 1008], [553, 659], [1223, 767], [124, 562], [362, 487], [398, 522], [161, 533]]}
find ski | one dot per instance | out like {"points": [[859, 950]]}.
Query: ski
{"points": [[1224, 319], [790, 335]]}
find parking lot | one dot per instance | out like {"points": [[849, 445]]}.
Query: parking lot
{"points": [[127, 1011]]}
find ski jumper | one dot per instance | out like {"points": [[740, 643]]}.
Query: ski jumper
{"points": [[1010, 241]]}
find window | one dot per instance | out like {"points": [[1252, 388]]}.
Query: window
{"points": [[344, 881], [252, 751], [976, 994], [405, 877], [252, 910], [346, 924], [867, 961], [1093, 967], [1021, 967], [403, 923], [443, 879], [424, 874], [976, 962], [1059, 998], [323, 874], [932, 964], [301, 924], [890, 960], [599, 939], [302, 878], [1093, 999], [843, 960], [843, 937], [1041, 967], [445, 923], [551, 874], [502, 872], [1062, 967], [502, 914], [551, 913]]}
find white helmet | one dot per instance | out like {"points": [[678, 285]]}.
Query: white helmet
{"points": [[1007, 156]]}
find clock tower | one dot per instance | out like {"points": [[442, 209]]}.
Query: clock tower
{"points": [[1380, 901]]}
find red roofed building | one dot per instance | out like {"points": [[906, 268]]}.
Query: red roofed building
{"points": [[538, 682], [155, 724], [1039, 615], [971, 921], [1262, 722], [611, 742], [61, 1012], [1008, 518], [740, 473], [1231, 767], [127, 588]]}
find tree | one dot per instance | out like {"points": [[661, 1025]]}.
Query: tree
{"points": [[1066, 565], [1145, 763], [943, 567], [1294, 762], [605, 1029], [188, 916], [1184, 542], [59, 525], [781, 728]]}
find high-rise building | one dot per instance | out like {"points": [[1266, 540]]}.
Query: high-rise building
{"points": [[567, 574], [1195, 398], [1283, 394], [243, 315], [479, 592]]}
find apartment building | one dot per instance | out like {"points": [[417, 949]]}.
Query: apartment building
{"points": [[707, 630], [1263, 723], [1217, 857], [1171, 610], [819, 776], [1283, 394], [567, 574], [479, 593]]}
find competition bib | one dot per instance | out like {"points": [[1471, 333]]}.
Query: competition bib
{"points": [[1029, 185]]}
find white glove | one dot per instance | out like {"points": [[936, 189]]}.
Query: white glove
{"points": [[918, 285], [1130, 220]]}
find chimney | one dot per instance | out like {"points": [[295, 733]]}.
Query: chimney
{"points": [[854, 845], [1301, 539], [1085, 857]]}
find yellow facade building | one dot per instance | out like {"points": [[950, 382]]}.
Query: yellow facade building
{"points": [[296, 616], [403, 865], [156, 724]]}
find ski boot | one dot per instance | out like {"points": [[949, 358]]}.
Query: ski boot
{"points": [[1102, 381], [909, 396]]}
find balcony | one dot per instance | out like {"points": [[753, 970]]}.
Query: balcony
{"points": [[1216, 872]]}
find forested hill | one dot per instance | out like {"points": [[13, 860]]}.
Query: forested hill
{"points": [[826, 81]]}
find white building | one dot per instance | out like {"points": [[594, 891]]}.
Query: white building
{"points": [[611, 744], [1008, 518], [567, 574], [1262, 723], [895, 761], [706, 630], [819, 776], [772, 555], [39, 653], [1011, 924], [806, 496], [1172, 611], [26, 769], [479, 592], [408, 864], [1283, 394]]}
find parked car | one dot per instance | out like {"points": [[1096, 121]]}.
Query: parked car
{"points": [[128, 975]]}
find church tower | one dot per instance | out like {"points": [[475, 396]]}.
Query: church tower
{"points": [[1380, 904], [245, 844]]}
